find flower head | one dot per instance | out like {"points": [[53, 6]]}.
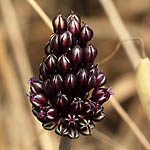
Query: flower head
{"points": [[60, 97]]}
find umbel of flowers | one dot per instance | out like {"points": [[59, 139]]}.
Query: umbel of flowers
{"points": [[60, 97]]}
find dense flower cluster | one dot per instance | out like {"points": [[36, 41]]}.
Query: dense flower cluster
{"points": [[60, 97]]}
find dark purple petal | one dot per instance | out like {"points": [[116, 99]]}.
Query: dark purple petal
{"points": [[63, 64], [90, 54], [91, 82], [77, 105], [38, 100], [70, 81], [100, 79], [73, 16], [49, 125], [101, 95], [71, 120], [35, 86], [85, 127], [66, 40], [61, 100], [54, 43], [43, 71], [74, 27], [51, 114], [57, 82], [47, 49], [62, 129], [76, 55], [51, 63], [73, 133], [82, 77], [86, 33], [59, 23]]}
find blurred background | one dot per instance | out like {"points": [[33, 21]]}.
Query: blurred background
{"points": [[23, 33]]}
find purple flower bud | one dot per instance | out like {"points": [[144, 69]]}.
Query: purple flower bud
{"points": [[63, 64], [35, 86], [51, 114], [86, 33], [56, 82], [94, 70], [71, 120], [47, 49], [76, 55], [54, 43], [85, 126], [38, 100], [82, 77], [51, 63], [73, 133], [43, 71], [61, 100], [74, 27], [62, 129], [49, 125], [100, 79], [91, 82], [77, 105], [47, 88], [59, 23], [66, 40], [101, 95], [73, 17], [90, 54], [70, 81]]}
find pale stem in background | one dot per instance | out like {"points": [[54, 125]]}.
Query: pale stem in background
{"points": [[23, 63], [41, 13], [122, 32]]}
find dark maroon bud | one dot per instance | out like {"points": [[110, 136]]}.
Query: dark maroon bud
{"points": [[59, 23], [51, 114], [101, 95], [86, 33], [70, 81], [66, 40], [61, 100], [54, 43], [85, 127], [73, 133], [63, 64], [94, 70], [38, 100], [77, 105], [73, 16], [91, 82], [90, 107], [71, 120], [47, 88], [100, 79], [39, 113], [86, 96], [47, 49], [51, 63], [90, 54], [82, 77], [57, 82], [35, 86], [76, 55], [74, 27], [99, 114], [49, 125], [43, 71], [62, 129]]}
